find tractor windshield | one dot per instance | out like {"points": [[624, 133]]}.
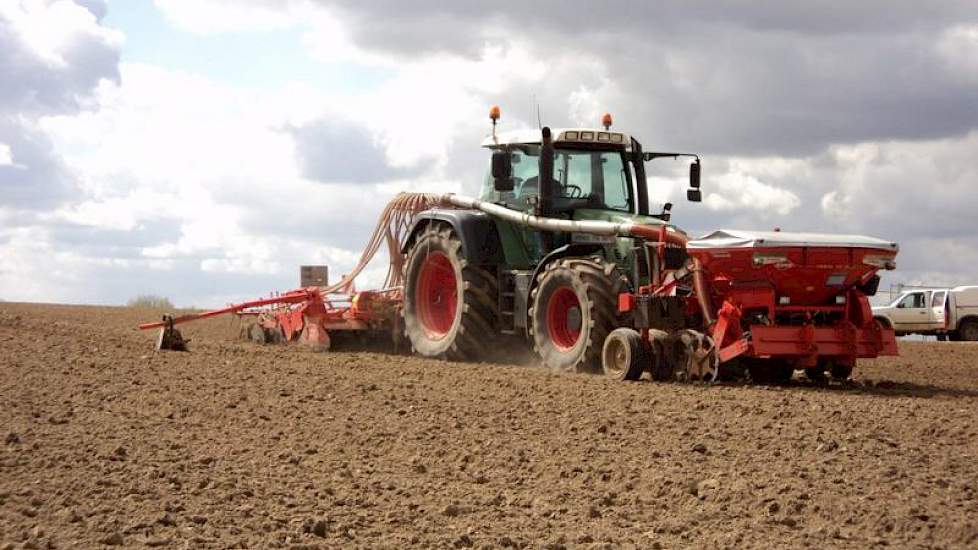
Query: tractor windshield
{"points": [[583, 178]]}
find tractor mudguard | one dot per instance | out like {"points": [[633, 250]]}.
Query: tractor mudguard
{"points": [[476, 230], [573, 249]]}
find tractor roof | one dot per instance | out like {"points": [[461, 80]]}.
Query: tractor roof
{"points": [[562, 136]]}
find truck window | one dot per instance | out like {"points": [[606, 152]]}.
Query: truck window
{"points": [[938, 299], [915, 300]]}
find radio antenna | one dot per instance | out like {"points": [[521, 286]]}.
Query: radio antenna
{"points": [[539, 123]]}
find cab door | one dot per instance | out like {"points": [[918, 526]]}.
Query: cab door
{"points": [[912, 312], [938, 306]]}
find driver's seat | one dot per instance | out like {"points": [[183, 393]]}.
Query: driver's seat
{"points": [[530, 186]]}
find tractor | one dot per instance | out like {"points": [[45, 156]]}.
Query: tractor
{"points": [[472, 278]]}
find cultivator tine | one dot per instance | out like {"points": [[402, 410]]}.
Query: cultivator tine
{"points": [[169, 337]]}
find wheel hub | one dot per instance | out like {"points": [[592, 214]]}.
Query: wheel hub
{"points": [[437, 295], [564, 318], [616, 357]]}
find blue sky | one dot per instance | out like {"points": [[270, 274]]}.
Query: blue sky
{"points": [[260, 59]]}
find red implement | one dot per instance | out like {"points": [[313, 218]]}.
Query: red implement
{"points": [[305, 315], [800, 297]]}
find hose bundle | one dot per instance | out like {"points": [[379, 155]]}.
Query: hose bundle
{"points": [[393, 226]]}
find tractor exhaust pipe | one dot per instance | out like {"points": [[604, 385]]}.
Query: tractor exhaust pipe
{"points": [[546, 177], [666, 234]]}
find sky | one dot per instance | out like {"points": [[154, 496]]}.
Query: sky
{"points": [[202, 150]]}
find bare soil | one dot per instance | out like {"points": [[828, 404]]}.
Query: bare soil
{"points": [[235, 445]]}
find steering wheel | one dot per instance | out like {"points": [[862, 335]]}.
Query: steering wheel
{"points": [[575, 191]]}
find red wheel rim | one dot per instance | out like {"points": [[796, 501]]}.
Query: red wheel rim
{"points": [[437, 295], [564, 330]]}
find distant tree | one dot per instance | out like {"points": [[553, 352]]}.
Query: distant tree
{"points": [[150, 301]]}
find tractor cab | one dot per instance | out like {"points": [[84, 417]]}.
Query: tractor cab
{"points": [[587, 174], [586, 169]]}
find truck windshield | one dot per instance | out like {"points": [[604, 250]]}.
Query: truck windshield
{"points": [[582, 178]]}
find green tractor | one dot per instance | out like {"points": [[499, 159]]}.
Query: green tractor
{"points": [[517, 267]]}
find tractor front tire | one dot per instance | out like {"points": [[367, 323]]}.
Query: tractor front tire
{"points": [[450, 307], [574, 308]]}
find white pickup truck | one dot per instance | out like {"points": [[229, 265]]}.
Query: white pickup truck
{"points": [[948, 313]]}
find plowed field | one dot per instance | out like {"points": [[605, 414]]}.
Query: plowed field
{"points": [[234, 445]]}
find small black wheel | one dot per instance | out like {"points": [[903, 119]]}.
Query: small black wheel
{"points": [[816, 374], [840, 371], [256, 333], [942, 337], [663, 369], [624, 355]]}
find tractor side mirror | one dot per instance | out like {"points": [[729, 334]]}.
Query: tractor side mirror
{"points": [[666, 214], [502, 171], [693, 194]]}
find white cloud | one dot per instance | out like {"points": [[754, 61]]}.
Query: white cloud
{"points": [[52, 28], [958, 47], [737, 191], [6, 156]]}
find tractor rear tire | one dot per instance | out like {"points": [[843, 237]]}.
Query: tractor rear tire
{"points": [[450, 307], [968, 331], [574, 308], [624, 355]]}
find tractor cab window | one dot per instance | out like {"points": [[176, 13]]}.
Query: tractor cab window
{"points": [[595, 179], [525, 160], [582, 179]]}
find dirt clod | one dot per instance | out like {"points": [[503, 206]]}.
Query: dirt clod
{"points": [[320, 527], [114, 539]]}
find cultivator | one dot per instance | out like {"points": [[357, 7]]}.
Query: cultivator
{"points": [[308, 315], [562, 250]]}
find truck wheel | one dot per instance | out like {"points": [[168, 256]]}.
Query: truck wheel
{"points": [[449, 306], [624, 355], [968, 331], [574, 308]]}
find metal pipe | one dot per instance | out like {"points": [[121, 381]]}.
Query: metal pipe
{"points": [[294, 297], [595, 227]]}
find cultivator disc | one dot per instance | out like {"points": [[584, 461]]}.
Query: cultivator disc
{"points": [[683, 356]]}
